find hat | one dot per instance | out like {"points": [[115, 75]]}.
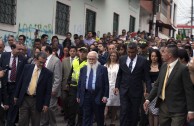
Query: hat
{"points": [[84, 49]]}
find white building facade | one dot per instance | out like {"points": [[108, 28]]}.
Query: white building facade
{"points": [[56, 17]]}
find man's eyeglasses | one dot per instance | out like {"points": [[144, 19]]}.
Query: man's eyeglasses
{"points": [[91, 59]]}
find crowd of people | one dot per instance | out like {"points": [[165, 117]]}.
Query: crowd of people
{"points": [[137, 78]]}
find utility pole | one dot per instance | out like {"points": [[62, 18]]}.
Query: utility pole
{"points": [[155, 10], [191, 17]]}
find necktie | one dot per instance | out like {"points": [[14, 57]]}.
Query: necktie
{"points": [[33, 82], [165, 81], [13, 70], [130, 65], [90, 79]]}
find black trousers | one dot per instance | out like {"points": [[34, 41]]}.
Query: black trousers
{"points": [[143, 117], [2, 112], [73, 108], [90, 109], [13, 110], [129, 110]]}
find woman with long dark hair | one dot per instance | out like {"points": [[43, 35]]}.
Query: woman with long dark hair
{"points": [[155, 64], [122, 49]]}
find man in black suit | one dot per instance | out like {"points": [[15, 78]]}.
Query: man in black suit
{"points": [[93, 90], [33, 91], [133, 70], [103, 54], [174, 91], [13, 62]]}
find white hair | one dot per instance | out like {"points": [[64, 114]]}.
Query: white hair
{"points": [[93, 52]]}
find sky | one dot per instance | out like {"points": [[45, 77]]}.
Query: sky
{"points": [[183, 11]]}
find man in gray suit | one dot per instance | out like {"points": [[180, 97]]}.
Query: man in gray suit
{"points": [[54, 65], [66, 68], [174, 91]]}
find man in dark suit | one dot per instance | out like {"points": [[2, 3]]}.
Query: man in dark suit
{"points": [[93, 90], [13, 63], [2, 110], [66, 69], [72, 81], [103, 54], [33, 91], [54, 65], [133, 70], [174, 91]]}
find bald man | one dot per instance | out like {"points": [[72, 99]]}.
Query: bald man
{"points": [[11, 41], [111, 48]]}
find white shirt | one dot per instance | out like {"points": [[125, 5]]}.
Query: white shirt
{"points": [[35, 68], [10, 66], [71, 60], [134, 62], [8, 48], [58, 52], [47, 61]]}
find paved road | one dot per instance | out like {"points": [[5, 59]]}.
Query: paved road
{"points": [[61, 122]]}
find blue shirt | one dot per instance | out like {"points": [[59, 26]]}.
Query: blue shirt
{"points": [[89, 41], [93, 80]]}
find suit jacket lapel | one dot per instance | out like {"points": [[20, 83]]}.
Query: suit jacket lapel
{"points": [[68, 62], [41, 75], [124, 65], [173, 72], [50, 63], [162, 74], [85, 76], [137, 63], [8, 59], [30, 73], [97, 75], [19, 63]]}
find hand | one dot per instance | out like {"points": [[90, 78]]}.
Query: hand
{"points": [[78, 100], [15, 100], [53, 93], [45, 108], [2, 73], [6, 107], [145, 105], [190, 117], [67, 87], [116, 91], [104, 99], [146, 95]]}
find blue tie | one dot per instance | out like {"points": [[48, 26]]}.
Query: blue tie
{"points": [[90, 80]]}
